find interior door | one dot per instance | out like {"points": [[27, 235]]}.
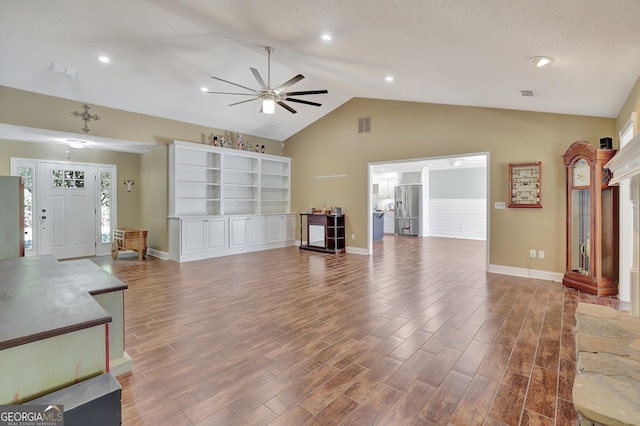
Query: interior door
{"points": [[67, 210]]}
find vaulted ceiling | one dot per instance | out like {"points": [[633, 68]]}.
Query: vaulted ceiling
{"points": [[463, 52]]}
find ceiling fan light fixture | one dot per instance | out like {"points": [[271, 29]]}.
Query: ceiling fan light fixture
{"points": [[268, 106], [269, 96], [541, 61]]}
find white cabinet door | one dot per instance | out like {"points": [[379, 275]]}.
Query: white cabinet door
{"points": [[199, 235], [274, 228], [216, 234], [391, 188], [257, 226], [239, 231], [193, 236], [386, 187], [383, 188], [289, 227], [281, 228], [389, 223], [247, 231]]}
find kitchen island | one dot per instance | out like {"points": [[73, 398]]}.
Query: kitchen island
{"points": [[60, 323]]}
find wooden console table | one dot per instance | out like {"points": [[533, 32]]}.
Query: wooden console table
{"points": [[325, 232]]}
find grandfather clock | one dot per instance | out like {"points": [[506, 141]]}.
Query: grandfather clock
{"points": [[592, 221]]}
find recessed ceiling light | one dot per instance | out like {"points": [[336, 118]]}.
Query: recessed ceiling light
{"points": [[541, 61], [204, 89], [326, 37], [104, 59], [389, 78]]}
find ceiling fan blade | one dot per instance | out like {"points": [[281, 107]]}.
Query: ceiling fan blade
{"points": [[287, 107], [300, 101], [308, 92], [256, 74], [291, 82], [242, 102], [233, 93], [235, 84]]}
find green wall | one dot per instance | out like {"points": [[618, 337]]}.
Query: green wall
{"points": [[405, 130], [144, 207], [332, 146]]}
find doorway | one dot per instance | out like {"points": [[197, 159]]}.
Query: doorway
{"points": [[457, 211], [70, 208], [66, 210]]}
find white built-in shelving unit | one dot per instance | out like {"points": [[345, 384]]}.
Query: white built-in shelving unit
{"points": [[226, 201], [194, 181]]}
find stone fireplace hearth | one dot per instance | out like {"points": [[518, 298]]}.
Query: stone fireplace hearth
{"points": [[606, 389]]}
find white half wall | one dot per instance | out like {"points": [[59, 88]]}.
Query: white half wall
{"points": [[458, 218]]}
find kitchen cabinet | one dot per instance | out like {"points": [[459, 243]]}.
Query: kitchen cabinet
{"points": [[386, 187], [389, 222]]}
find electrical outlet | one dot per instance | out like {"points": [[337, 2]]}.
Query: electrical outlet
{"points": [[541, 254], [353, 236], [532, 253]]}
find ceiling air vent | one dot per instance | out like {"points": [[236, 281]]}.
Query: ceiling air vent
{"points": [[63, 69], [364, 125], [527, 93]]}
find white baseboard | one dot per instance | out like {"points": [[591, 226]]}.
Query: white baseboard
{"points": [[121, 366], [525, 273], [157, 253], [357, 250]]}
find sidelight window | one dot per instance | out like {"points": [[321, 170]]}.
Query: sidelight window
{"points": [[27, 181]]}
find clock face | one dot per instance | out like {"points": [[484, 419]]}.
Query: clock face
{"points": [[581, 173]]}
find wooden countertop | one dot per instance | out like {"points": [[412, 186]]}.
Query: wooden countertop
{"points": [[41, 298]]}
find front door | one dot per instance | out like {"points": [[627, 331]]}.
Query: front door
{"points": [[67, 210]]}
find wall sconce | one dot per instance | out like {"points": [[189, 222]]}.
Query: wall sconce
{"points": [[129, 183]]}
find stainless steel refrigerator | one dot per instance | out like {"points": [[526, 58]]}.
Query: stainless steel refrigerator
{"points": [[407, 209]]}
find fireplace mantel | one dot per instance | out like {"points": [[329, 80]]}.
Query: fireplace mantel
{"points": [[625, 166], [626, 163]]}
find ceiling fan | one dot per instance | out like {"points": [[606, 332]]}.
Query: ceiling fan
{"points": [[270, 96]]}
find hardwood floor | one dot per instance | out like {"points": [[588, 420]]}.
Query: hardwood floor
{"points": [[417, 334]]}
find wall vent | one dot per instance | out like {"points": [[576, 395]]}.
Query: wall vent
{"points": [[63, 69], [364, 125], [527, 93]]}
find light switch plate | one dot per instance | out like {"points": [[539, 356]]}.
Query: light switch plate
{"points": [[499, 205]]}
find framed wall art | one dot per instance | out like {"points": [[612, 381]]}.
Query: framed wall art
{"points": [[525, 189]]}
